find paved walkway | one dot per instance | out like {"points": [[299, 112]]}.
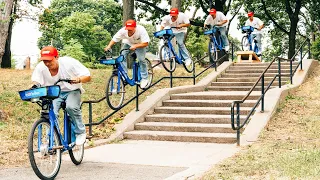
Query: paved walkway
{"points": [[149, 160]]}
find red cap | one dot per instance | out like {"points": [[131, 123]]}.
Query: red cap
{"points": [[250, 14], [48, 53], [213, 11], [174, 12], [131, 24]]}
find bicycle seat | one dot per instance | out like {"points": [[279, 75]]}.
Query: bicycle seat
{"points": [[162, 33], [246, 29], [49, 92]]}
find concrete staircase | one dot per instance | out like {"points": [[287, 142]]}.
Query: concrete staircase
{"points": [[205, 116]]}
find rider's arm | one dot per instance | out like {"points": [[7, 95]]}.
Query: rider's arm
{"points": [[140, 45], [83, 79], [222, 22], [111, 43], [260, 27], [183, 25]]}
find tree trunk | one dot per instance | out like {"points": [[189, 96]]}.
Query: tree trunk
{"points": [[128, 13], [5, 12], [176, 4], [292, 38], [6, 59], [219, 5]]}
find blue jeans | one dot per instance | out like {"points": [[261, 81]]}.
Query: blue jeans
{"points": [[141, 56], [183, 50], [258, 38], [223, 33], [73, 102]]}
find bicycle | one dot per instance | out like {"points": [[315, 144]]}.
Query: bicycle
{"points": [[168, 54], [215, 43], [45, 141], [115, 89], [248, 39]]}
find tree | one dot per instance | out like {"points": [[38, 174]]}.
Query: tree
{"points": [[73, 49], [6, 7]]}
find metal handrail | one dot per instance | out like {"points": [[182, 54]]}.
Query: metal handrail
{"points": [[263, 91], [171, 77]]}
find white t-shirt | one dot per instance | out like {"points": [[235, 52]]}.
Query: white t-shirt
{"points": [[182, 19], [140, 36], [256, 23], [219, 18], [68, 68]]}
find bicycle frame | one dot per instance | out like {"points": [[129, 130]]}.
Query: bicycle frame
{"points": [[54, 124], [136, 77], [251, 39], [213, 39], [177, 58]]}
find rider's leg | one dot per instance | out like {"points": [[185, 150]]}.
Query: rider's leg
{"points": [[57, 104], [225, 41], [141, 56], [182, 46], [125, 54], [73, 108], [258, 38]]}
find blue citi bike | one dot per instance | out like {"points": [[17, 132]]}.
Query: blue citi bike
{"points": [[215, 43], [248, 41], [168, 56], [46, 142], [115, 89]]}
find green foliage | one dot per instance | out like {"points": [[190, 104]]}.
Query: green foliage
{"points": [[196, 42], [95, 65], [315, 49], [90, 23], [73, 49]]}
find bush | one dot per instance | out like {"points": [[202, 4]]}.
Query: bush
{"points": [[95, 65], [315, 49]]}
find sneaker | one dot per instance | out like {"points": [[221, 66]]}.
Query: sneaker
{"points": [[81, 138], [226, 48], [143, 83], [187, 62]]}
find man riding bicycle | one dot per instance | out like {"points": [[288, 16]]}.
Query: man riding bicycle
{"points": [[135, 38], [218, 19], [50, 70], [180, 21], [258, 25]]}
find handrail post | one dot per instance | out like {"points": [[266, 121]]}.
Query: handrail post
{"points": [[137, 97], [262, 93], [279, 72], [301, 58], [232, 52], [171, 83], [309, 52], [194, 73], [238, 124], [90, 119], [291, 81]]}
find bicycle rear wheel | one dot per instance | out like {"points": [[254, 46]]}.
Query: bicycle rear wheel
{"points": [[245, 45], [115, 92], [213, 55], [190, 67], [150, 73], [77, 152], [167, 58], [44, 162]]}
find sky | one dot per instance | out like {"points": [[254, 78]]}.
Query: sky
{"points": [[25, 36]]}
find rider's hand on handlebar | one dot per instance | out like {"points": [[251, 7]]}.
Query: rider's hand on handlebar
{"points": [[75, 80], [132, 48], [107, 49]]}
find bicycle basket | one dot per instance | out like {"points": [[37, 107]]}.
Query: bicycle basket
{"points": [[53, 91], [211, 31], [26, 95], [163, 33], [247, 29]]}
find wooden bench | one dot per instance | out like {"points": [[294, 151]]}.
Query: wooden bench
{"points": [[247, 56]]}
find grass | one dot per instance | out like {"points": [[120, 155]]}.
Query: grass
{"points": [[288, 148], [20, 115]]}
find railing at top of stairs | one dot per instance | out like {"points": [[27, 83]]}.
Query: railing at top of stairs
{"points": [[237, 103]]}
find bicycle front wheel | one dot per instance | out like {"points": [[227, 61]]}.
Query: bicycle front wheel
{"points": [[245, 45], [44, 162], [167, 58], [77, 152], [213, 55], [115, 92]]}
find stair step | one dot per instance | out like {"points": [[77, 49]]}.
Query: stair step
{"points": [[260, 67], [199, 110], [235, 88], [264, 64], [219, 95], [205, 103], [182, 136], [275, 83], [238, 71], [249, 79], [191, 118], [184, 127], [229, 75]]}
